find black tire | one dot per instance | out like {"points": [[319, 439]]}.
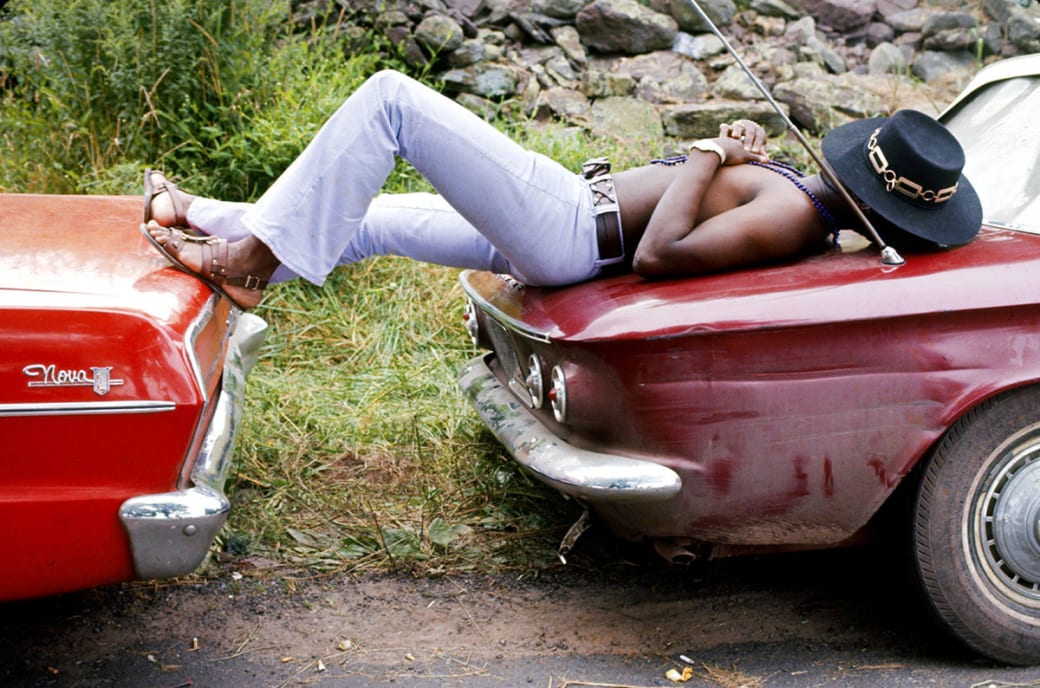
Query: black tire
{"points": [[976, 530]]}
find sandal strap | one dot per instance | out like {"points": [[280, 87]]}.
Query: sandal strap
{"points": [[179, 237], [214, 259], [180, 217]]}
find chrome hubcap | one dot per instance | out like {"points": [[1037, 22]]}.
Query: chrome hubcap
{"points": [[1006, 522]]}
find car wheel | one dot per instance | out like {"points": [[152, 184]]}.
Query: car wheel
{"points": [[976, 533]]}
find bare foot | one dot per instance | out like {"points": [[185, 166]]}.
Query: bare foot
{"points": [[238, 270], [168, 205]]}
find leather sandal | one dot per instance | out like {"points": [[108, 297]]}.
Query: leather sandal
{"points": [[214, 259], [165, 187]]}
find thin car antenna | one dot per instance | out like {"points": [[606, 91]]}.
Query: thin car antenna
{"points": [[889, 256]]}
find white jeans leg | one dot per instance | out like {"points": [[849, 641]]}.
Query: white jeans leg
{"points": [[417, 225], [224, 219], [534, 213]]}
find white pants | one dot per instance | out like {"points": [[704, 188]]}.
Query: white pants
{"points": [[498, 206]]}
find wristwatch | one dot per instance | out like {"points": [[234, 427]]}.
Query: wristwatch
{"points": [[709, 146]]}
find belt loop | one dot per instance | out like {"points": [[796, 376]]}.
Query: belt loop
{"points": [[610, 240], [596, 167]]}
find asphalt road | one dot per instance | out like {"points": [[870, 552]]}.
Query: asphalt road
{"points": [[816, 619]]}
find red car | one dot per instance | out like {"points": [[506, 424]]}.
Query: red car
{"points": [[782, 407], [121, 388]]}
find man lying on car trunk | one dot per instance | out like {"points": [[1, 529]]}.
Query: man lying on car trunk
{"points": [[502, 208]]}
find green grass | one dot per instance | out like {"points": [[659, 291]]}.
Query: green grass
{"points": [[357, 450]]}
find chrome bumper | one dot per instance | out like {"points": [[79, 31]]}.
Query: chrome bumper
{"points": [[583, 474], [171, 533]]}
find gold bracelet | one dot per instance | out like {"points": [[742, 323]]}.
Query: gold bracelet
{"points": [[709, 146]]}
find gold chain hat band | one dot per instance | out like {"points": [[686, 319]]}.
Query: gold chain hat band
{"points": [[895, 182]]}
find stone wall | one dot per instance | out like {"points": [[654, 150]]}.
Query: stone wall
{"points": [[613, 65]]}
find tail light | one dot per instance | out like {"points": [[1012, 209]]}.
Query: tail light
{"points": [[558, 394]]}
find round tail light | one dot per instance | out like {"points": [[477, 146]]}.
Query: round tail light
{"points": [[469, 318], [535, 381], [558, 394]]}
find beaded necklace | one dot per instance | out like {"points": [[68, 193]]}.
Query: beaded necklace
{"points": [[794, 175]]}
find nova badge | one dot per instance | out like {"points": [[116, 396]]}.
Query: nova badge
{"points": [[100, 378]]}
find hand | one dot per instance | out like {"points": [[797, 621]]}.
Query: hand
{"points": [[751, 138]]}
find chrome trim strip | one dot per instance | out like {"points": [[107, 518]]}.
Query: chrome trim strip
{"points": [[583, 474], [85, 408], [1008, 68], [516, 326], [171, 533], [194, 330]]}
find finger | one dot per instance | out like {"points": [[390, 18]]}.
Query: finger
{"points": [[756, 142], [755, 137]]}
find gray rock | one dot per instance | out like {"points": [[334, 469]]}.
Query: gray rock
{"points": [[932, 65], [938, 22], [486, 80], [477, 105], [887, 58], [659, 62], [887, 8], [992, 38], [1023, 30], [775, 8], [721, 12], [559, 68], [567, 103], [953, 39], [401, 38], [472, 51], [802, 31], [617, 116], [559, 9], [910, 20], [686, 85], [768, 26], [596, 83], [467, 8], [393, 18], [570, 42], [834, 62], [822, 103], [624, 26], [439, 34], [878, 33], [734, 84], [698, 47], [492, 37], [702, 120], [1000, 10], [840, 15]]}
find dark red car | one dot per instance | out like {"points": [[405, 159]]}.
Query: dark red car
{"points": [[121, 385], [782, 407]]}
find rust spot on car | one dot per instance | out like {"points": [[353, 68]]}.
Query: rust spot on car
{"points": [[881, 471]]}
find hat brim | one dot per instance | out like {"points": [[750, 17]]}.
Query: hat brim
{"points": [[951, 223]]}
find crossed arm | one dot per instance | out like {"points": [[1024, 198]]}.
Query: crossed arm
{"points": [[756, 229]]}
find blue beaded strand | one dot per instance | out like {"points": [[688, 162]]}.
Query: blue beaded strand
{"points": [[795, 177]]}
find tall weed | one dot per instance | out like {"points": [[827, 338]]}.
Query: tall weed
{"points": [[216, 91]]}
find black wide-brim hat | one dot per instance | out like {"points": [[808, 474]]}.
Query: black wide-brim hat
{"points": [[908, 168]]}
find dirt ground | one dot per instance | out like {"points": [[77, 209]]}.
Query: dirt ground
{"points": [[817, 619]]}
